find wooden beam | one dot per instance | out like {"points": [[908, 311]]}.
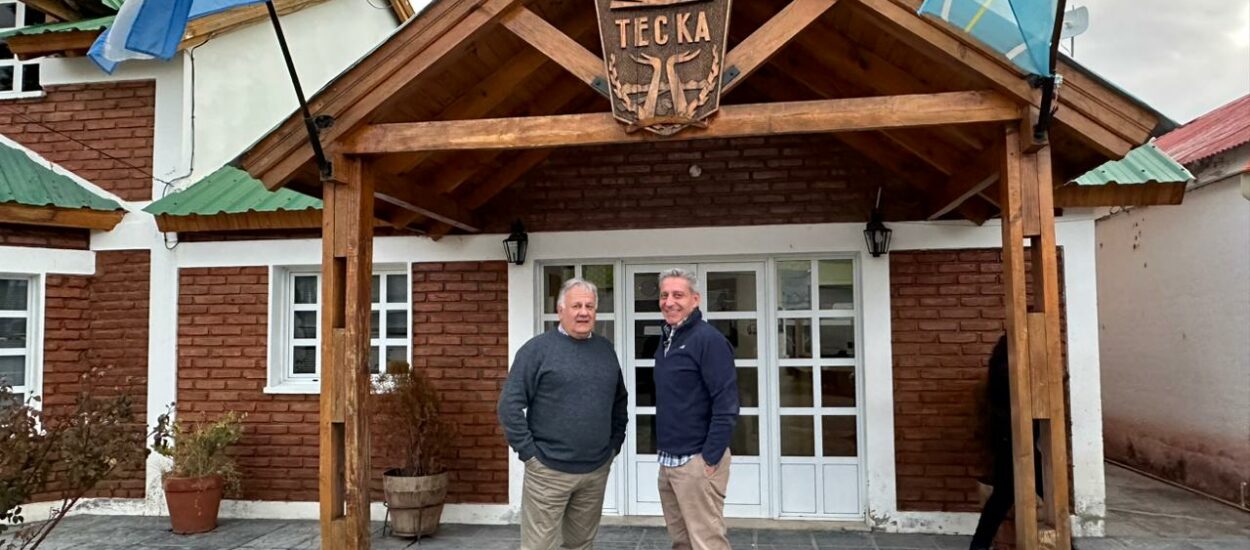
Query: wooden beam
{"points": [[834, 115], [769, 38], [556, 45], [54, 216], [424, 201], [250, 221], [69, 43], [968, 183], [403, 10], [57, 9], [201, 29], [1111, 194]]}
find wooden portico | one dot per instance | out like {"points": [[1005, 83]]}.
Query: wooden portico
{"points": [[472, 94]]}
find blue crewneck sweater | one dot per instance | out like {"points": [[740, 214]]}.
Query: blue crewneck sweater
{"points": [[696, 388]]}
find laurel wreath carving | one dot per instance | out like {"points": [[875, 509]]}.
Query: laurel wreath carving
{"points": [[706, 86]]}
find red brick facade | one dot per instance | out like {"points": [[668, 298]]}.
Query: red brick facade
{"points": [[44, 237], [947, 311], [101, 132], [459, 335]]}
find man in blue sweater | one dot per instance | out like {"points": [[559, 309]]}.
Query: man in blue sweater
{"points": [[563, 409], [696, 409]]}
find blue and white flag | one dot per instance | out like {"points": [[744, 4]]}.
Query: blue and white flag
{"points": [[152, 29], [1019, 29]]}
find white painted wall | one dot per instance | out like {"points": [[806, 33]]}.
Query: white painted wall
{"points": [[1174, 289]]}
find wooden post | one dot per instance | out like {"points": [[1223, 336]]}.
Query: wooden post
{"points": [[346, 273], [1037, 380]]}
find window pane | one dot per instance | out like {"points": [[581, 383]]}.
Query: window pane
{"points": [[375, 288], [8, 16], [397, 289], [646, 292], [13, 370], [602, 276], [838, 436], [397, 324], [606, 329], [647, 338], [12, 333], [30, 77], [373, 360], [795, 386], [5, 52], [34, 17], [6, 79], [798, 436], [742, 335], [306, 290], [553, 277], [396, 353], [794, 284], [375, 325], [837, 387], [305, 361], [731, 291], [795, 338], [748, 386], [305, 324], [837, 338], [13, 294], [746, 436], [837, 284], [549, 325], [644, 387], [646, 434]]}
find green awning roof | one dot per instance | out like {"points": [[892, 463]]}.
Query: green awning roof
{"points": [[231, 191], [97, 24], [1145, 164], [25, 181]]}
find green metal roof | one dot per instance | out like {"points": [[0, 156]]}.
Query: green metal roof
{"points": [[1145, 164], [97, 24], [230, 191], [25, 181]]}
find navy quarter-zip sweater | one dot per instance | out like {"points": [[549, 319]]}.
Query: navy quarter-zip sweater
{"points": [[696, 402]]}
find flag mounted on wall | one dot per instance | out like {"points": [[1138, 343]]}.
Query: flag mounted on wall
{"points": [[1022, 30], [152, 29]]}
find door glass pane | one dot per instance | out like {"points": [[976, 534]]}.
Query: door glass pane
{"points": [[647, 338], [644, 387], [305, 324], [602, 276], [746, 436], [742, 335], [730, 291], [646, 292], [306, 290], [837, 387], [305, 361], [798, 438], [795, 338], [837, 284], [646, 434], [397, 288], [12, 333], [397, 324], [13, 370], [375, 288], [794, 285], [837, 338], [748, 387], [553, 277], [838, 435], [606, 329], [13, 294], [375, 325], [795, 386]]}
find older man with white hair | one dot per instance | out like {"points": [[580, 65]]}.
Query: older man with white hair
{"points": [[563, 409]]}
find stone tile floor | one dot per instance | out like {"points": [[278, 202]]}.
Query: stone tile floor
{"points": [[1142, 514]]}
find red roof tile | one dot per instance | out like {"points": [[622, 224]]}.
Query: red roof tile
{"points": [[1209, 134]]}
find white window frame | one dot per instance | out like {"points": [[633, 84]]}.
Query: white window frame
{"points": [[34, 334], [18, 66], [282, 341]]}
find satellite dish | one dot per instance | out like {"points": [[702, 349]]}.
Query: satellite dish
{"points": [[1075, 22]]}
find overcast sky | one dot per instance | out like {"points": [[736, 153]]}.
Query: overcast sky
{"points": [[1183, 57]]}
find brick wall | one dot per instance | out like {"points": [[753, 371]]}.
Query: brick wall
{"points": [[44, 237], [743, 181], [101, 132], [100, 322], [459, 334], [947, 312]]}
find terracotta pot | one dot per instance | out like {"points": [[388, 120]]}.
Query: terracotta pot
{"points": [[415, 504], [193, 503]]}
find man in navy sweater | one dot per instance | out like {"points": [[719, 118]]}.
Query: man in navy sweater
{"points": [[696, 409]]}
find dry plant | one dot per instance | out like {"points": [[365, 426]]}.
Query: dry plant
{"points": [[415, 433], [198, 449]]}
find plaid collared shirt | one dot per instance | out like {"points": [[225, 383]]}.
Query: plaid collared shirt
{"points": [[673, 461]]}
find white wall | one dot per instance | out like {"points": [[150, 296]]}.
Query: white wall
{"points": [[1174, 305]]}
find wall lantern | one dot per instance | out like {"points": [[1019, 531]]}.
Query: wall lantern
{"points": [[516, 244], [876, 234]]}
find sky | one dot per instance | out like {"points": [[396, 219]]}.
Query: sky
{"points": [[1183, 57]]}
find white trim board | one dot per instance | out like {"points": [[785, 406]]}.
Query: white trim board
{"points": [[43, 261]]}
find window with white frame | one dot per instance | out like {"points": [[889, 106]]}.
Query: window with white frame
{"points": [[602, 275], [18, 321], [295, 339], [18, 78]]}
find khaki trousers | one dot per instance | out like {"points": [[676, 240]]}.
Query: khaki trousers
{"points": [[557, 505], [694, 504]]}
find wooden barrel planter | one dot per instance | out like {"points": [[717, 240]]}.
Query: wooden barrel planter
{"points": [[415, 504]]}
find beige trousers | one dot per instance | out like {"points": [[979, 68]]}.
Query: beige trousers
{"points": [[694, 504], [556, 505]]}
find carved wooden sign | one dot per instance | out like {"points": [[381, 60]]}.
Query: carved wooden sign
{"points": [[664, 60]]}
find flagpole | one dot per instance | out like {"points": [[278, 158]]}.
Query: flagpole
{"points": [[310, 124], [1048, 83]]}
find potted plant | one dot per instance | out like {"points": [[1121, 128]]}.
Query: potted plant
{"points": [[201, 471], [416, 488]]}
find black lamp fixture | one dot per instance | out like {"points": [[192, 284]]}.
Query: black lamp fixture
{"points": [[877, 235], [516, 244]]}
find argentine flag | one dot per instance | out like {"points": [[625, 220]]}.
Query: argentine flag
{"points": [[1019, 29], [152, 29]]}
